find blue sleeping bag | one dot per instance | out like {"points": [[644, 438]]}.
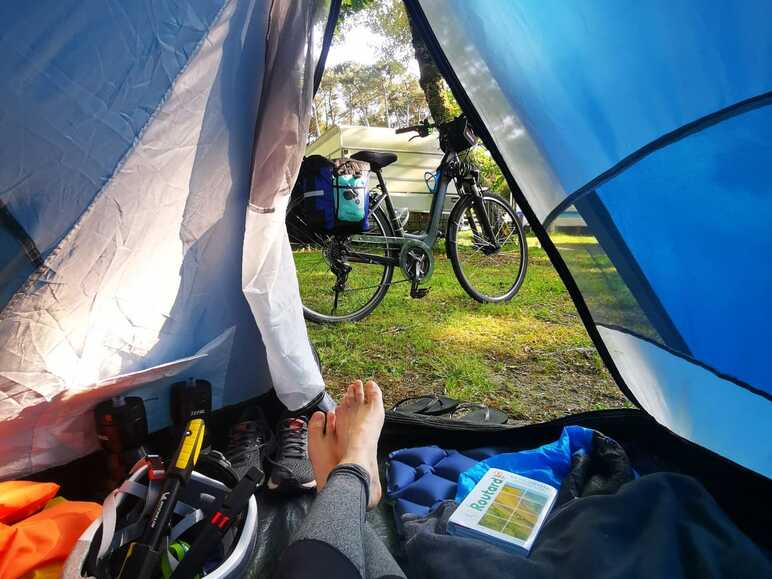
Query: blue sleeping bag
{"points": [[549, 463]]}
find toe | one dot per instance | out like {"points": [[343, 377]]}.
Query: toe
{"points": [[373, 393], [349, 396], [316, 429], [330, 427], [359, 391]]}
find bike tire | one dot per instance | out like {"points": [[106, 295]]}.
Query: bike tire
{"points": [[380, 218], [452, 244]]}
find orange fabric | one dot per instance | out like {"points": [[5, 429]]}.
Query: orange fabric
{"points": [[45, 538], [21, 498], [52, 571]]}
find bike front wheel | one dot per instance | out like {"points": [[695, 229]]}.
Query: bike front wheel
{"points": [[334, 286], [489, 269]]}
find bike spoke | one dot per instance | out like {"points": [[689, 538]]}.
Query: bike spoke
{"points": [[353, 278], [503, 243], [490, 267]]}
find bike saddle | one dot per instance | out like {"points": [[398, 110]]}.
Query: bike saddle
{"points": [[377, 160]]}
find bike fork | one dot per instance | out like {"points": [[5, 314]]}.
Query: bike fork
{"points": [[482, 216]]}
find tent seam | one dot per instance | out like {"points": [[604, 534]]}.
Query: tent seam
{"points": [[691, 128], [719, 374]]}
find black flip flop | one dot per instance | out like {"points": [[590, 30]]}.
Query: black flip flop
{"points": [[478, 414], [427, 404]]}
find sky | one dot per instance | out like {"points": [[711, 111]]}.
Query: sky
{"points": [[359, 44]]}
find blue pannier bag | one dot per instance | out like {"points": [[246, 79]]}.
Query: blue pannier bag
{"points": [[335, 194]]}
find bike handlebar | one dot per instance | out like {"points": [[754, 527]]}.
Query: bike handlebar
{"points": [[416, 128], [422, 129]]}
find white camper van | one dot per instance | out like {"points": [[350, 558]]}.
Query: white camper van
{"points": [[405, 178]]}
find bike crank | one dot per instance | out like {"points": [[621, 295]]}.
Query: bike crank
{"points": [[417, 263]]}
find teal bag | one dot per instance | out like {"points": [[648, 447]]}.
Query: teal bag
{"points": [[351, 193]]}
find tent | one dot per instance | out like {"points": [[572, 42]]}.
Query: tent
{"points": [[147, 150], [132, 135]]}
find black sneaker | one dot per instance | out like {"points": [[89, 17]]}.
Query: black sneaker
{"points": [[292, 469], [250, 441]]}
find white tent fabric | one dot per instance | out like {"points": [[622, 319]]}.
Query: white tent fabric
{"points": [[144, 285], [269, 278]]}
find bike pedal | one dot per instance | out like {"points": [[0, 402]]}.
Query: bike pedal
{"points": [[419, 292]]}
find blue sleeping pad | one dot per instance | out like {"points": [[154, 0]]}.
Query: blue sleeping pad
{"points": [[419, 479]]}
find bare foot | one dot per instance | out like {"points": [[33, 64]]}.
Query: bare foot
{"points": [[359, 420], [322, 446]]}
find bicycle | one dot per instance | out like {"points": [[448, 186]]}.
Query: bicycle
{"points": [[345, 277]]}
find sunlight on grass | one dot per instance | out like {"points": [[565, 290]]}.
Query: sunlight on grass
{"points": [[530, 357], [466, 377]]}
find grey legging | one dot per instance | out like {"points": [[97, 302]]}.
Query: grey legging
{"points": [[335, 540]]}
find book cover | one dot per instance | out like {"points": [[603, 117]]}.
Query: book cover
{"points": [[505, 509]]}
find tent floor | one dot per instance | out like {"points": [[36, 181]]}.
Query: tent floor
{"points": [[651, 448]]}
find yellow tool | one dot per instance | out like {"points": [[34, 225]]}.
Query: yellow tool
{"points": [[143, 557]]}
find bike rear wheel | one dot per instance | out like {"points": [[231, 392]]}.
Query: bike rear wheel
{"points": [[321, 260], [488, 272]]}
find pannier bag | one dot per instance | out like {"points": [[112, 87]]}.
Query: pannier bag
{"points": [[335, 194]]}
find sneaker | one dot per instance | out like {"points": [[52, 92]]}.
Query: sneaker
{"points": [[292, 469], [250, 441]]}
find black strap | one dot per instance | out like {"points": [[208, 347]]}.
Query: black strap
{"points": [[8, 221], [329, 30]]}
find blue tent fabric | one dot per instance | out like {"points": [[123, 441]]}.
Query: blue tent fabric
{"points": [[713, 185], [611, 76], [549, 463], [652, 121], [81, 80], [135, 138]]}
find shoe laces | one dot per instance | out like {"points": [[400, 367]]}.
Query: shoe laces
{"points": [[244, 438], [293, 434]]}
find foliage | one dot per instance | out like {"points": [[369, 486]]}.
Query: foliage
{"points": [[385, 93], [490, 174], [389, 93], [349, 7]]}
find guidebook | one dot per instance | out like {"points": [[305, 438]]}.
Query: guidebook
{"points": [[505, 509]]}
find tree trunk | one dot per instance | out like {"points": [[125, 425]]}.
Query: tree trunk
{"points": [[430, 79], [350, 107], [316, 120], [386, 110], [331, 120]]}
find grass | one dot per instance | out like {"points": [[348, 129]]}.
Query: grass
{"points": [[531, 357]]}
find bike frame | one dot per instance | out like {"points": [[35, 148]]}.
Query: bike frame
{"points": [[465, 185]]}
